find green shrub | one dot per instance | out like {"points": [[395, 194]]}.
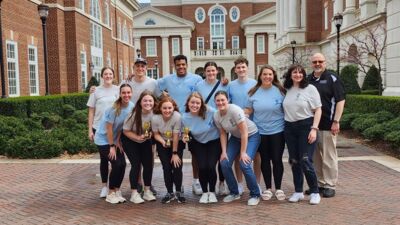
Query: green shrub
{"points": [[371, 121], [77, 100], [371, 104], [394, 138], [370, 92], [51, 103], [80, 116], [68, 110], [347, 118], [17, 107], [92, 82], [32, 124], [372, 80], [11, 127], [49, 120], [364, 121], [349, 75]]}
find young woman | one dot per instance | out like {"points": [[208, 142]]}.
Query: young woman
{"points": [[243, 142], [265, 103], [107, 139], [302, 106], [207, 89], [138, 145], [100, 100], [166, 126], [205, 144]]}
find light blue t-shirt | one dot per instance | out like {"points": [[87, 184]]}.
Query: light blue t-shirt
{"points": [[202, 130], [267, 108], [100, 137], [238, 91], [179, 88], [205, 89]]}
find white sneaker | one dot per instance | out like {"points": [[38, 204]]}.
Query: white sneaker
{"points": [[231, 198], [253, 201], [222, 189], [280, 195], [240, 188], [136, 198], [149, 196], [104, 192], [197, 188], [119, 195], [212, 198], [266, 195], [112, 198], [315, 199], [297, 196], [204, 198]]}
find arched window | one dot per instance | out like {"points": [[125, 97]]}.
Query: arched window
{"points": [[217, 27], [221, 73], [233, 74], [200, 71], [352, 54]]}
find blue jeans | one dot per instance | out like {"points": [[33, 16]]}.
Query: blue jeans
{"points": [[300, 154], [233, 151]]}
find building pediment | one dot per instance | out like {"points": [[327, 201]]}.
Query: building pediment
{"points": [[151, 17], [265, 17]]}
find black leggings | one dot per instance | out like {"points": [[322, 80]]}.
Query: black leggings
{"points": [[139, 154], [207, 156], [271, 149], [172, 175], [117, 166], [103, 164]]}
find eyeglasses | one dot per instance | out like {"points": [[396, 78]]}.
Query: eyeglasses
{"points": [[320, 62]]}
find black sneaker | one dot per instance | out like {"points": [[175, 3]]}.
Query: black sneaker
{"points": [[153, 190], [320, 189], [168, 198], [179, 197], [328, 193]]}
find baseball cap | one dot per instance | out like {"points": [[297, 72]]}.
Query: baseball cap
{"points": [[141, 60]]}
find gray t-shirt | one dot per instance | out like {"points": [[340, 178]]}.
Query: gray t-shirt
{"points": [[129, 125], [137, 88], [232, 118], [101, 99], [173, 125], [300, 103]]}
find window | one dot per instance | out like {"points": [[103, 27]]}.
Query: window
{"points": [[125, 35], [119, 28], [95, 9], [175, 47], [326, 18], [33, 70], [234, 14], [151, 47], [260, 44], [217, 18], [106, 13], [81, 4], [108, 59], [235, 42], [98, 64], [12, 69], [200, 43], [200, 15], [96, 36], [152, 73], [121, 71], [83, 71]]}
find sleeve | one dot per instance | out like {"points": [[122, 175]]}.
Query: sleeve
{"points": [[338, 90], [128, 123], [215, 118], [109, 115], [228, 90], [249, 102], [161, 84], [177, 123], [238, 114], [154, 124], [315, 99], [91, 101]]}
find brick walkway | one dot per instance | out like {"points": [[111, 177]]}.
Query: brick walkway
{"points": [[67, 193]]}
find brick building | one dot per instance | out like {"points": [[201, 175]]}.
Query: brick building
{"points": [[217, 31], [83, 36]]}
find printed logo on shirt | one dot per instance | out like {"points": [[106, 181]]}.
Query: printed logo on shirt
{"points": [[233, 122], [323, 81]]}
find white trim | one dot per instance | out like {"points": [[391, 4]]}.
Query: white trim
{"points": [[82, 6], [147, 47], [326, 21], [176, 48], [84, 79], [106, 13], [13, 60], [198, 41], [230, 14], [260, 41], [238, 41], [217, 6], [34, 63], [204, 15], [218, 39]]}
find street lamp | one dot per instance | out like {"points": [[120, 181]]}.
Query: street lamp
{"points": [[3, 79], [156, 65], [338, 18], [44, 13], [293, 44], [138, 53]]}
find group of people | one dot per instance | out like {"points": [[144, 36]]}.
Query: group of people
{"points": [[238, 129]]}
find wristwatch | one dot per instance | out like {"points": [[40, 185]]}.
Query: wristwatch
{"points": [[112, 145], [174, 153], [335, 121]]}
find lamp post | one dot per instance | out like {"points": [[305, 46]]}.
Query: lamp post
{"points": [[156, 65], [44, 13], [138, 53], [3, 79], [293, 44], [338, 18]]}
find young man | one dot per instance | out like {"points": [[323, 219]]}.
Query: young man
{"points": [[238, 95], [179, 86], [331, 90]]}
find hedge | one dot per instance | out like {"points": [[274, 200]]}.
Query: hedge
{"points": [[372, 104], [26, 106]]}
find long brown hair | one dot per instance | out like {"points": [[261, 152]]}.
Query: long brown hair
{"points": [[137, 111], [118, 103], [275, 81], [203, 107]]}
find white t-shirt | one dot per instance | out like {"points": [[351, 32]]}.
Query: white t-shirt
{"points": [[232, 118], [137, 88], [173, 125], [101, 99], [299, 104]]}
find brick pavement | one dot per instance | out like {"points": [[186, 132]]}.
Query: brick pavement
{"points": [[54, 193]]}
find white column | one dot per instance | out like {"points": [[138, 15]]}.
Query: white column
{"points": [[337, 8], [287, 14], [165, 55], [349, 13], [186, 49], [294, 14], [250, 50], [303, 14], [281, 19], [367, 8], [278, 18], [136, 43], [271, 48], [381, 6]]}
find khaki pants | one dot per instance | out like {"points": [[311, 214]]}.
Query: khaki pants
{"points": [[326, 160]]}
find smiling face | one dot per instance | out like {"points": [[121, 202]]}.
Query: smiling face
{"points": [[140, 69], [221, 101], [297, 76], [241, 70], [181, 67], [318, 63], [108, 76], [147, 103], [167, 109], [211, 73], [126, 94], [267, 77], [194, 104]]}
